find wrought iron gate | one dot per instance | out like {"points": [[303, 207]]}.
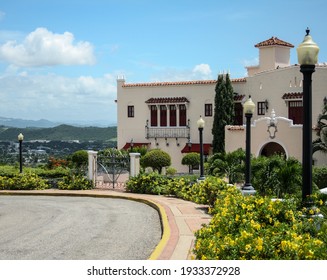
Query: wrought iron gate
{"points": [[112, 169]]}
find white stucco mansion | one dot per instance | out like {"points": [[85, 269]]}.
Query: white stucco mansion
{"points": [[164, 114]]}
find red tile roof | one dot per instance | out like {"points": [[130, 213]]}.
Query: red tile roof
{"points": [[168, 100], [293, 95], [181, 83], [273, 41]]}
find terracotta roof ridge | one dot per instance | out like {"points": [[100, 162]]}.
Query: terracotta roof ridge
{"points": [[274, 41], [176, 83]]}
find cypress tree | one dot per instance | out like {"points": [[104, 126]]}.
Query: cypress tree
{"points": [[223, 112], [229, 102]]}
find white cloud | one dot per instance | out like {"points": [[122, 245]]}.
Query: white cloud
{"points": [[202, 70], [198, 72], [44, 48], [58, 98]]}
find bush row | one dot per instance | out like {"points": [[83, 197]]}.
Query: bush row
{"points": [[202, 192], [23, 181]]}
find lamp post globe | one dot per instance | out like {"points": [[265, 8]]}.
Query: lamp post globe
{"points": [[249, 107], [201, 124], [307, 53]]}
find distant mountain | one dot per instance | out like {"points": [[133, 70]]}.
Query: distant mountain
{"points": [[61, 132], [20, 123]]}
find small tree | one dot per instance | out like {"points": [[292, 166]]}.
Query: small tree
{"points": [[191, 159], [157, 159], [79, 158]]}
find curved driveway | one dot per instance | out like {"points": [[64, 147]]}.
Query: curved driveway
{"points": [[76, 228]]}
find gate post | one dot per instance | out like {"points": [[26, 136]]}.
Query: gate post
{"points": [[134, 164], [92, 167]]}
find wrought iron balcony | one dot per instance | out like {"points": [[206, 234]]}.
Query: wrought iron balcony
{"points": [[167, 132]]}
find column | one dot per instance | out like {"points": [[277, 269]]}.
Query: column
{"points": [[92, 165], [134, 164]]}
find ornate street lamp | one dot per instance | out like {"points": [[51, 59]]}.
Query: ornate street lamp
{"points": [[307, 53], [201, 124], [249, 107], [20, 139]]}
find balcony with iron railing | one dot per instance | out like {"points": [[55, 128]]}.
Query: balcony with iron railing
{"points": [[167, 132]]}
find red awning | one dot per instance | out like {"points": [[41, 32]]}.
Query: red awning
{"points": [[128, 145], [195, 148]]}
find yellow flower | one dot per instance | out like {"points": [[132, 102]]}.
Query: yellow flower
{"points": [[259, 246], [247, 247]]}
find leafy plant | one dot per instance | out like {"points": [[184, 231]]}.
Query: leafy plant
{"points": [[23, 181], [75, 182], [191, 159], [229, 165], [157, 159]]}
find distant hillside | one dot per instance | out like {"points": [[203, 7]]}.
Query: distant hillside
{"points": [[61, 132], [12, 122]]}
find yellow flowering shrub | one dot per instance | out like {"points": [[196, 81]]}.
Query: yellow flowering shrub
{"points": [[23, 181], [258, 228]]}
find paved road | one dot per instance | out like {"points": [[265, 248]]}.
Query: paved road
{"points": [[76, 228]]}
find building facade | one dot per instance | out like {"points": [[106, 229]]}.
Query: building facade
{"points": [[164, 114]]}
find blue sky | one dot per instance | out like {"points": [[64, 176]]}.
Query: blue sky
{"points": [[59, 60]]}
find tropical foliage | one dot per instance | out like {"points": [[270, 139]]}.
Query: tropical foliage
{"points": [[228, 165]]}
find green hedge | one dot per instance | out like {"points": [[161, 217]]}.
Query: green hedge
{"points": [[11, 171]]}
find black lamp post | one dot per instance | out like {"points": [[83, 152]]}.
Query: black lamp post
{"points": [[307, 53], [200, 124], [20, 139], [248, 106]]}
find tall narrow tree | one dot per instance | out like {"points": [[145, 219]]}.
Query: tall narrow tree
{"points": [[229, 102], [223, 112]]}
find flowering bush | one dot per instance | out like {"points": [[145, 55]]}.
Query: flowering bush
{"points": [[151, 183], [75, 182], [255, 227], [23, 181], [202, 192]]}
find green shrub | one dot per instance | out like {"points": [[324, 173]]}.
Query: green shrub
{"points": [[320, 177], [75, 182], [230, 165], [23, 181], [276, 176], [191, 159], [171, 171], [204, 191], [79, 158], [157, 159], [255, 227], [152, 183]]}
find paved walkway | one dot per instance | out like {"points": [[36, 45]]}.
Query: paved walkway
{"points": [[180, 218]]}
